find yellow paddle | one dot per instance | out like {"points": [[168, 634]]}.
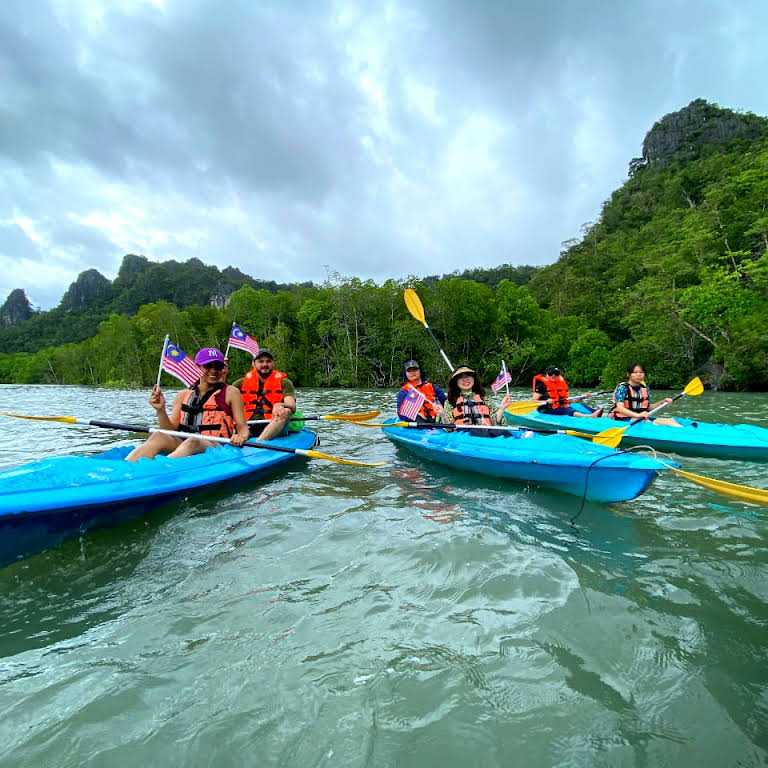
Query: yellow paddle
{"points": [[308, 453], [361, 416], [521, 407], [416, 308], [736, 491], [612, 437]]}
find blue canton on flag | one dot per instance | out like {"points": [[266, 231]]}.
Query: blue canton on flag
{"points": [[241, 340]]}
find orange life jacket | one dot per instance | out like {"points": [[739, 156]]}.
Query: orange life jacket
{"points": [[207, 414], [427, 410], [637, 400], [259, 397], [473, 411], [557, 390]]}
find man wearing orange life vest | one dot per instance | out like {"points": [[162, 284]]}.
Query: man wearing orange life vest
{"points": [[553, 388], [267, 394], [466, 398], [210, 407], [414, 378]]}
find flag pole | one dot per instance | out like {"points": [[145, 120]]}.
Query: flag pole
{"points": [[162, 359], [226, 351], [506, 383]]}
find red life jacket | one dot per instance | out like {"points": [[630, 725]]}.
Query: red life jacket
{"points": [[557, 390], [637, 400], [207, 414], [427, 410], [473, 411], [259, 397]]}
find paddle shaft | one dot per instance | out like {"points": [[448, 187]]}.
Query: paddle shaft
{"points": [[656, 409], [185, 435], [437, 344], [482, 427]]}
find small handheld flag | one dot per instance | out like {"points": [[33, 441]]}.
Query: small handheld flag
{"points": [[502, 379], [239, 339], [411, 405], [179, 365]]}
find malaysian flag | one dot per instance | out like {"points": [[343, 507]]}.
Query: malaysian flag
{"points": [[411, 405], [179, 365], [239, 339], [503, 378]]}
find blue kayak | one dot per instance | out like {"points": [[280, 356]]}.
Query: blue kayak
{"points": [[49, 500], [692, 438], [565, 463]]}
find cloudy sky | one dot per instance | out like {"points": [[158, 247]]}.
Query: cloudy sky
{"points": [[376, 139]]}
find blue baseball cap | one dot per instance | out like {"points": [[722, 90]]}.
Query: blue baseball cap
{"points": [[209, 355]]}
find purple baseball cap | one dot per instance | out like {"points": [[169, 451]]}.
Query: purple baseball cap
{"points": [[209, 355]]}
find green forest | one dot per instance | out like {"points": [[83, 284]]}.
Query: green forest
{"points": [[673, 274]]}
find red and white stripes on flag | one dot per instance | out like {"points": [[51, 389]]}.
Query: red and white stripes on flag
{"points": [[180, 365], [411, 405], [503, 378], [239, 339]]}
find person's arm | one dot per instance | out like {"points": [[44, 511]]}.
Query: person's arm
{"points": [[286, 408], [499, 415], [440, 395], [157, 401], [235, 402], [540, 392]]}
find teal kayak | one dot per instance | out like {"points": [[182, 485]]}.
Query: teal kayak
{"points": [[564, 463], [691, 438], [52, 499]]}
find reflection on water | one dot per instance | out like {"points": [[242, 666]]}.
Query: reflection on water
{"points": [[398, 616]]}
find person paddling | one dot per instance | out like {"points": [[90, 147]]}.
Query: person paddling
{"points": [[412, 378], [267, 394], [553, 387], [466, 397], [210, 407], [632, 398]]}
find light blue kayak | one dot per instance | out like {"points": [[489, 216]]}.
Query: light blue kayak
{"points": [[692, 438], [565, 463], [49, 500]]}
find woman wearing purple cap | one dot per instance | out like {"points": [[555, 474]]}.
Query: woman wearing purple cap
{"points": [[211, 407]]}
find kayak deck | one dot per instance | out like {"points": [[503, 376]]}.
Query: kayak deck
{"points": [[46, 501], [565, 463], [692, 438]]}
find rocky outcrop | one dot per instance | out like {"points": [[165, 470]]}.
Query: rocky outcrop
{"points": [[16, 308], [681, 135], [91, 287]]}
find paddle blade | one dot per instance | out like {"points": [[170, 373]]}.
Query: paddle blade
{"points": [[366, 416], [62, 419], [339, 460], [521, 407], [610, 437], [414, 305], [734, 490], [694, 387]]}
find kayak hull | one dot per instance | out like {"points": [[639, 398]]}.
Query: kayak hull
{"points": [[564, 463], [743, 442], [45, 502]]}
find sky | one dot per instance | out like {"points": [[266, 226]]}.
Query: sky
{"points": [[296, 140]]}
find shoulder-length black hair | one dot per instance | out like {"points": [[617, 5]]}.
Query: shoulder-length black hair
{"points": [[454, 392]]}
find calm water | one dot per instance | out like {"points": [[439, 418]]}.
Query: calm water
{"points": [[402, 616]]}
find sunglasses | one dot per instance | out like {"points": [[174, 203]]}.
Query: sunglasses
{"points": [[217, 366]]}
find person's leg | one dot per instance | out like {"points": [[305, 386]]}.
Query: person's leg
{"points": [[190, 447], [275, 428], [154, 444]]}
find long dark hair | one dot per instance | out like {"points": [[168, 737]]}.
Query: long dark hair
{"points": [[454, 392]]}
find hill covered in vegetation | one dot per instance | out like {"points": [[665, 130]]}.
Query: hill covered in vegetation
{"points": [[674, 273]]}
